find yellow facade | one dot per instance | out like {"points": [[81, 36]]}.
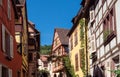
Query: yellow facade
{"points": [[76, 50]]}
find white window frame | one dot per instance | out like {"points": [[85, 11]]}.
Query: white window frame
{"points": [[9, 73], [3, 37], [11, 47], [11, 41]]}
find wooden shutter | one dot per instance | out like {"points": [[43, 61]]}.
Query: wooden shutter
{"points": [[3, 38], [0, 70], [10, 72], [11, 47], [93, 46]]}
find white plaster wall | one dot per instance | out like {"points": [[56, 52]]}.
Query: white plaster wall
{"points": [[91, 71], [101, 38], [98, 43], [113, 43], [102, 51], [107, 48], [97, 33], [98, 54], [107, 68], [96, 9], [96, 20], [109, 1], [101, 27], [100, 3], [117, 6], [104, 7], [100, 14]]}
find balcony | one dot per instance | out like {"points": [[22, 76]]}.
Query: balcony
{"points": [[58, 68]]}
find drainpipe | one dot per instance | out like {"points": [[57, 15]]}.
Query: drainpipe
{"points": [[86, 48]]}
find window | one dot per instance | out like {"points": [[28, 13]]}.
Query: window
{"points": [[5, 72], [18, 37], [109, 27], [0, 2], [9, 10], [76, 62], [82, 57], [7, 42], [18, 74], [94, 57], [93, 45], [75, 38], [30, 57], [45, 64], [66, 49]]}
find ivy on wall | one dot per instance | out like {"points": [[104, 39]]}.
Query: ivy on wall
{"points": [[82, 39], [68, 67]]}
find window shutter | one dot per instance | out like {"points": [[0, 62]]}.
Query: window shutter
{"points": [[0, 70], [93, 46], [92, 16], [11, 47], [10, 73], [3, 38]]}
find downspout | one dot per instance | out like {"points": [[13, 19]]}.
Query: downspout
{"points": [[86, 48]]}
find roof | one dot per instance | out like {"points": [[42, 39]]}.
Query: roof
{"points": [[83, 13], [75, 21], [62, 34]]}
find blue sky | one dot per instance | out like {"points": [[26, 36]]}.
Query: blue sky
{"points": [[50, 14]]}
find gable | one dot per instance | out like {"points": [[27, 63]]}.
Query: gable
{"points": [[56, 41]]}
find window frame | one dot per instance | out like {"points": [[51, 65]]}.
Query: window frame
{"points": [[76, 38], [109, 30], [7, 49], [76, 63], [8, 72]]}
